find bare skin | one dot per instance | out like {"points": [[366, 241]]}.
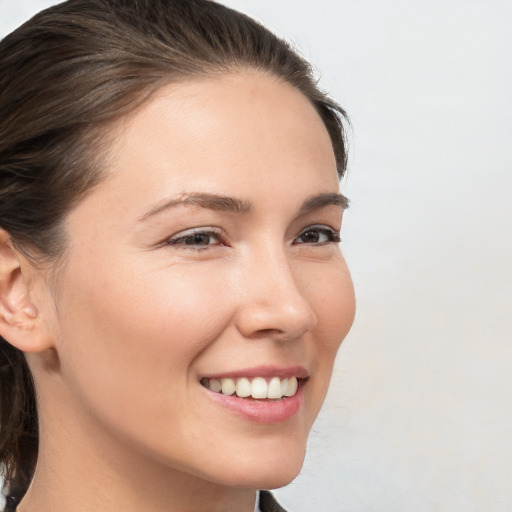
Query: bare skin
{"points": [[166, 284]]}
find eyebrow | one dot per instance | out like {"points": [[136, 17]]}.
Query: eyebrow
{"points": [[204, 200], [233, 205], [323, 200]]}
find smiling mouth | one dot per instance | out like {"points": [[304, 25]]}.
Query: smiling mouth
{"points": [[258, 388]]}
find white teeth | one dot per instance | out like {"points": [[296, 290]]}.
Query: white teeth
{"points": [[274, 388], [228, 386], [291, 388], [258, 388], [215, 385], [243, 387]]}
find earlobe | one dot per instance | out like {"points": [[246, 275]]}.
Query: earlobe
{"points": [[20, 322]]}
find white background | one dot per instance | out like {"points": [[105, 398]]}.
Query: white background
{"points": [[419, 417]]}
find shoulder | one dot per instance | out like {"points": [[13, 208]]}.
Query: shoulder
{"points": [[268, 503]]}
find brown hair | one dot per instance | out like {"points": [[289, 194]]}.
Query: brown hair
{"points": [[64, 76]]}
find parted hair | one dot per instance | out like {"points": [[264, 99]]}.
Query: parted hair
{"points": [[65, 76]]}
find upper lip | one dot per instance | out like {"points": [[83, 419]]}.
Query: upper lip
{"points": [[282, 372]]}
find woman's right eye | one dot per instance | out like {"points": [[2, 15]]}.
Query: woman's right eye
{"points": [[196, 239]]}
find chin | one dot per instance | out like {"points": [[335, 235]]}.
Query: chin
{"points": [[274, 479], [267, 470], [268, 478]]}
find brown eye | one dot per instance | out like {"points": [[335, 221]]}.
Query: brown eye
{"points": [[196, 239], [317, 235], [310, 237]]}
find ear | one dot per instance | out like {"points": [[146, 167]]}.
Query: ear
{"points": [[20, 322]]}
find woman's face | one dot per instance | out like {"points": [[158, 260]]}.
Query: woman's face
{"points": [[208, 255]]}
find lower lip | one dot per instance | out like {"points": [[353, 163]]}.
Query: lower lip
{"points": [[260, 411]]}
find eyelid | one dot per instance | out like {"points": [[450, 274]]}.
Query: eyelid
{"points": [[331, 232], [177, 239], [207, 230]]}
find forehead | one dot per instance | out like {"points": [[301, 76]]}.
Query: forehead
{"points": [[248, 120], [244, 135]]}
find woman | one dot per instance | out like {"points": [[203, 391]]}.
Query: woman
{"points": [[172, 293]]}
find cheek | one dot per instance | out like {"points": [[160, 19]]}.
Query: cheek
{"points": [[333, 300], [332, 297], [125, 332], [337, 307]]}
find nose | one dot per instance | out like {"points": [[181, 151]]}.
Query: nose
{"points": [[273, 304]]}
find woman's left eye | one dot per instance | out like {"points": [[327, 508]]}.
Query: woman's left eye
{"points": [[196, 239], [318, 235]]}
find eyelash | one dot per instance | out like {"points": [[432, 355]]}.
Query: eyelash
{"points": [[190, 238], [194, 238], [332, 236]]}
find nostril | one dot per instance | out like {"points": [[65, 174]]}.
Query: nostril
{"points": [[265, 333]]}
